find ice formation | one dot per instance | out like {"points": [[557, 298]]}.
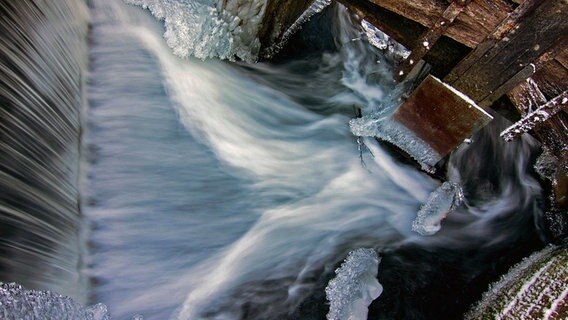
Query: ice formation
{"points": [[536, 288], [204, 29], [21, 304], [440, 203], [382, 41], [355, 286], [18, 303], [316, 7], [385, 128]]}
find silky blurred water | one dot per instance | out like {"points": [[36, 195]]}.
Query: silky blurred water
{"points": [[228, 190]]}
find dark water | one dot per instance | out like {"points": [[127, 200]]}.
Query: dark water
{"points": [[227, 190]]}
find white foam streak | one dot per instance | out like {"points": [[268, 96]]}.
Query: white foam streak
{"points": [[309, 158]]}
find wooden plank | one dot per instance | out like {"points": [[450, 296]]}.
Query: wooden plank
{"points": [[470, 29], [283, 13], [535, 34], [443, 56], [492, 39], [552, 78], [429, 38], [399, 28]]}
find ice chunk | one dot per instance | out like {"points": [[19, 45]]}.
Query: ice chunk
{"points": [[18, 303], [382, 41], [316, 7], [206, 30], [355, 286], [440, 203], [384, 128]]}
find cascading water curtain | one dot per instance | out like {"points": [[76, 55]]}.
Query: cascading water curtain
{"points": [[43, 61]]}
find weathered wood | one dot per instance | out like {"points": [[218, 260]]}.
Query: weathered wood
{"points": [[527, 97], [552, 78], [492, 39], [443, 56], [401, 29], [535, 34], [280, 15], [526, 72], [536, 117], [430, 37], [470, 29]]}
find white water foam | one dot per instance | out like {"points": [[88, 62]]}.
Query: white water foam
{"points": [[311, 198], [305, 158]]}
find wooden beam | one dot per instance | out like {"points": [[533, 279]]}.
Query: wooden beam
{"points": [[527, 97], [470, 28], [541, 24], [443, 56], [429, 38], [536, 117]]}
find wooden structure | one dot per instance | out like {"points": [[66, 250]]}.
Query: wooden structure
{"points": [[511, 51]]}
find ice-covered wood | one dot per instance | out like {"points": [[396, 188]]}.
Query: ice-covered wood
{"points": [[527, 97], [537, 288], [536, 117]]}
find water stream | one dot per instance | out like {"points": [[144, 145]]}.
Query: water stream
{"points": [[228, 190]]}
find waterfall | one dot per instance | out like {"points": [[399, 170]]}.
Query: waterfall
{"points": [[43, 62]]}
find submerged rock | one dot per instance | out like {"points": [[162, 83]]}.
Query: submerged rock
{"points": [[536, 288]]}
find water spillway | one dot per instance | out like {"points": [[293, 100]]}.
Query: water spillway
{"points": [[230, 190], [43, 67]]}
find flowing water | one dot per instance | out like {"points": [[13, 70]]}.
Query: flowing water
{"points": [[225, 190]]}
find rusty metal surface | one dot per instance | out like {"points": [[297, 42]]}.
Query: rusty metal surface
{"points": [[440, 116]]}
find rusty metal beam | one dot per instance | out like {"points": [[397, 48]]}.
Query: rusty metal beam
{"points": [[440, 116]]}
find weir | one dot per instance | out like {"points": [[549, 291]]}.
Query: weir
{"points": [[43, 63]]}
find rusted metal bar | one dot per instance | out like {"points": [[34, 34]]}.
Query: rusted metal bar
{"points": [[537, 117], [440, 116], [430, 37]]}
